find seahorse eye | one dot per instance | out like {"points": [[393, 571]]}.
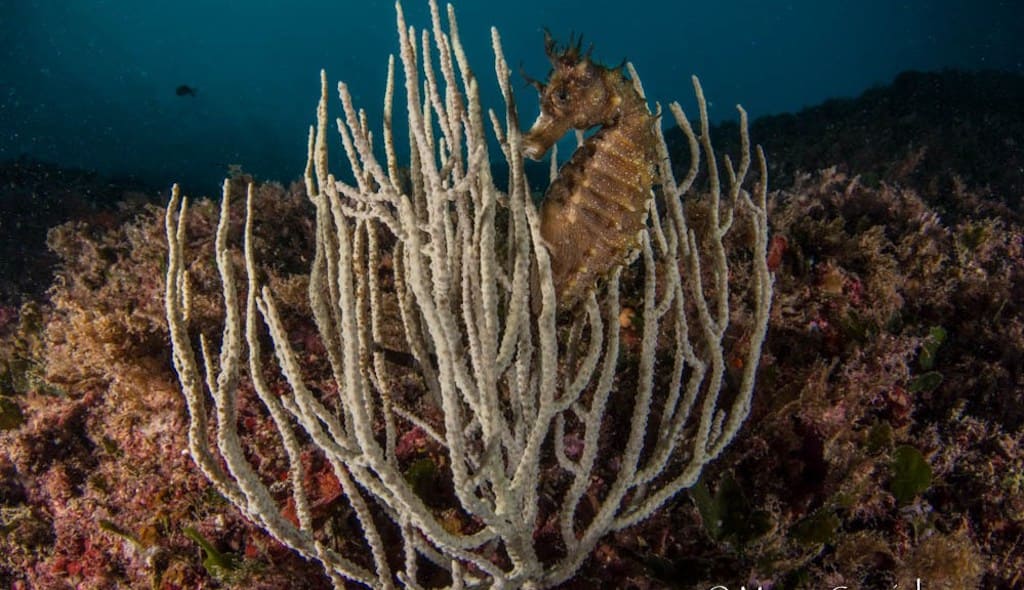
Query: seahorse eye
{"points": [[562, 95]]}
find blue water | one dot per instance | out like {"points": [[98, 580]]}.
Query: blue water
{"points": [[92, 83]]}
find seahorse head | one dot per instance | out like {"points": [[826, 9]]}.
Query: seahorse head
{"points": [[579, 94]]}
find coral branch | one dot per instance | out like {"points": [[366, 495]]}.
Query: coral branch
{"points": [[437, 279]]}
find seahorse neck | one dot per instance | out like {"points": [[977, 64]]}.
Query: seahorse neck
{"points": [[633, 120]]}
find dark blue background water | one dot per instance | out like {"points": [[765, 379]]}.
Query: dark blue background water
{"points": [[92, 83]]}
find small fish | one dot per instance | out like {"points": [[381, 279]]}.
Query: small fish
{"points": [[185, 90]]}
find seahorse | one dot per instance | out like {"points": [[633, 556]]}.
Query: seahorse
{"points": [[595, 209]]}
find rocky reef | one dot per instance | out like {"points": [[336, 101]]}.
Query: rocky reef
{"points": [[885, 444]]}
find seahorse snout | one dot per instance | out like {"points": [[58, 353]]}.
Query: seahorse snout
{"points": [[533, 149], [546, 130]]}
